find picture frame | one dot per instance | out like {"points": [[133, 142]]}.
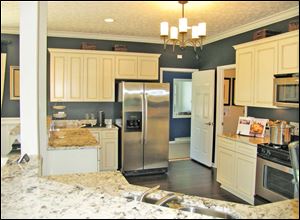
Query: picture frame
{"points": [[227, 86], [14, 82], [233, 90]]}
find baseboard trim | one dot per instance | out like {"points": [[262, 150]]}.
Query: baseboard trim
{"points": [[178, 159]]}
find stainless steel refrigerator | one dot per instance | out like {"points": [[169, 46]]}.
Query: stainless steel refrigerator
{"points": [[145, 127]]}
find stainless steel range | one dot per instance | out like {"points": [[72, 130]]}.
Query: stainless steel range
{"points": [[274, 177]]}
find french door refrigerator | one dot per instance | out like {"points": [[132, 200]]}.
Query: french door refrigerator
{"points": [[145, 127]]}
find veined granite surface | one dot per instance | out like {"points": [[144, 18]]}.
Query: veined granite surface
{"points": [[245, 139], [102, 195]]}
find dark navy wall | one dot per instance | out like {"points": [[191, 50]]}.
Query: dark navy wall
{"points": [[179, 127], [221, 53], [78, 110], [10, 108]]}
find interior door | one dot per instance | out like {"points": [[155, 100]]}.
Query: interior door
{"points": [[202, 123]]}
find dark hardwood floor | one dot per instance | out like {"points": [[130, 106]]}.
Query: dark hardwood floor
{"points": [[191, 178]]}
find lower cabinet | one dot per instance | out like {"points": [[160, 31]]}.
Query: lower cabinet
{"points": [[108, 153], [67, 161], [236, 168]]}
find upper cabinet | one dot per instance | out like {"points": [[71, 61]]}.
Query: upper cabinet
{"points": [[142, 67], [89, 76], [256, 64], [288, 61]]}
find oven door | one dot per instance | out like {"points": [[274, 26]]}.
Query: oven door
{"points": [[286, 92], [274, 182]]}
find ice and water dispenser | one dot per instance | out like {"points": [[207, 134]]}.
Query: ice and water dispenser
{"points": [[133, 121]]}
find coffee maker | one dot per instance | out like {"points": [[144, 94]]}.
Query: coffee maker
{"points": [[101, 118]]}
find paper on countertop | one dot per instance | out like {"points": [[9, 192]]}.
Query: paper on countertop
{"points": [[251, 126]]}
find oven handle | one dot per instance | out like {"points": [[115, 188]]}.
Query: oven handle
{"points": [[277, 166]]}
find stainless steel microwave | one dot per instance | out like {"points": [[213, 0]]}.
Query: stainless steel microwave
{"points": [[286, 91]]}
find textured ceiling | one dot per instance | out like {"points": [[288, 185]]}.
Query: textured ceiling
{"points": [[142, 18]]}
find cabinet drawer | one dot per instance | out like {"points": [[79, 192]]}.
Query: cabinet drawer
{"points": [[109, 134], [226, 143], [246, 149]]}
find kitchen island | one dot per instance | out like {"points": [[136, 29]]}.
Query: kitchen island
{"points": [[102, 195]]}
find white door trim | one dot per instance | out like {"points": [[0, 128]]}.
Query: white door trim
{"points": [[180, 70], [219, 103]]}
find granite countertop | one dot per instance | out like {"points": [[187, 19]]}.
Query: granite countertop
{"points": [[102, 195], [245, 139], [69, 137]]}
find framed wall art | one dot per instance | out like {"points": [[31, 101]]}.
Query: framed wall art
{"points": [[227, 86], [14, 82]]}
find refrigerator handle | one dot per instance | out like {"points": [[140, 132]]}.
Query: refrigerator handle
{"points": [[145, 118]]}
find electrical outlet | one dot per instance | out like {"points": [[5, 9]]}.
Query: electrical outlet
{"points": [[296, 129], [179, 56]]}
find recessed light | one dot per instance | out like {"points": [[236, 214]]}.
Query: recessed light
{"points": [[109, 20]]}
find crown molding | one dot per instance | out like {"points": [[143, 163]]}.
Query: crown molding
{"points": [[281, 16], [292, 12]]}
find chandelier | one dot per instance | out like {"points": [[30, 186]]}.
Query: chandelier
{"points": [[198, 33]]}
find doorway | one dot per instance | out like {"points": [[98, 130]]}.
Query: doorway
{"points": [[227, 113], [180, 112]]}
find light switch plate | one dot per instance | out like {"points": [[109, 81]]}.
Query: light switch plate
{"points": [[179, 56], [296, 129]]}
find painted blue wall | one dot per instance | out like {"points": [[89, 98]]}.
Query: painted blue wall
{"points": [[179, 127]]}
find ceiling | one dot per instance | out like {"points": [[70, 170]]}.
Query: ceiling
{"points": [[141, 19]]}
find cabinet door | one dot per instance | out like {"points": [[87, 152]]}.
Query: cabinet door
{"points": [[91, 78], [58, 74], [107, 81], [265, 68], [244, 76], [226, 167], [147, 68], [245, 175], [75, 78], [109, 154], [288, 55], [126, 67]]}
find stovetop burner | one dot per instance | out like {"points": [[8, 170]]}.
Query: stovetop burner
{"points": [[275, 153]]}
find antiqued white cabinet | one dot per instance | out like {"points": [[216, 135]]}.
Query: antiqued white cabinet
{"points": [[139, 66], [236, 168], [288, 60], [244, 76], [89, 76], [126, 67], [58, 76], [226, 172], [265, 67], [108, 153], [256, 64], [148, 67], [107, 78]]}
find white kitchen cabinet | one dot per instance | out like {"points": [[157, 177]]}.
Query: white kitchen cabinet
{"points": [[256, 64], [91, 78], [107, 78], [236, 168], [67, 161], [265, 69], [74, 79], [58, 77], [226, 164], [245, 176], [108, 153], [148, 67], [8, 137], [126, 67], [288, 60], [244, 76]]}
